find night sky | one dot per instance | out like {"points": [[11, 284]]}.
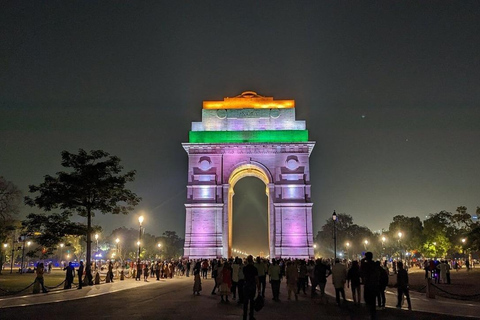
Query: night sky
{"points": [[390, 91]]}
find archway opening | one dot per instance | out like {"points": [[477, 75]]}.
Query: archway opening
{"points": [[250, 232]]}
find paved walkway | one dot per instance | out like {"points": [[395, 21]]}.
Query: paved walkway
{"points": [[420, 303], [72, 294]]}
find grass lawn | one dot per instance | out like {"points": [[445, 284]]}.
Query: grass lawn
{"points": [[464, 284], [16, 281]]}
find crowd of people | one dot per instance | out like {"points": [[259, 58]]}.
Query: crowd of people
{"points": [[237, 278], [240, 279]]}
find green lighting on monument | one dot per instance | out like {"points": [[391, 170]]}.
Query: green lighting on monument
{"points": [[248, 136]]}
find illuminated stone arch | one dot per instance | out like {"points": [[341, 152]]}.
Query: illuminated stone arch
{"points": [[248, 135]]}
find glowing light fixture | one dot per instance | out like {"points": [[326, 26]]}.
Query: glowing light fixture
{"points": [[249, 100]]}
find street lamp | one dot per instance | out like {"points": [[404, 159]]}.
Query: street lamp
{"points": [[400, 235], [348, 247], [61, 252], [383, 245], [365, 243], [96, 239], [334, 218], [118, 250], [140, 220], [159, 246]]}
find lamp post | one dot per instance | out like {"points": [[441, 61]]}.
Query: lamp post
{"points": [[334, 217], [365, 244], [23, 254], [348, 247], [159, 246], [61, 252], [28, 258], [117, 241], [11, 258], [383, 245], [96, 239], [400, 234], [140, 220]]}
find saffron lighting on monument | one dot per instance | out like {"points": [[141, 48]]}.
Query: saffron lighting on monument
{"points": [[248, 135]]}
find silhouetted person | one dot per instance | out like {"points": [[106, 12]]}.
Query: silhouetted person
{"points": [[371, 281], [80, 275], [402, 286], [251, 282], [69, 275]]}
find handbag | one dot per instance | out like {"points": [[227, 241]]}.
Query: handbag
{"points": [[259, 303]]}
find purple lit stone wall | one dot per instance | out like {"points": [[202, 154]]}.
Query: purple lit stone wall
{"points": [[286, 165]]}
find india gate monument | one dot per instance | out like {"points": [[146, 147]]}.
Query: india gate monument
{"points": [[248, 135]]}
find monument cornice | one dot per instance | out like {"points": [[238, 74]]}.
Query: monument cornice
{"points": [[249, 148]]}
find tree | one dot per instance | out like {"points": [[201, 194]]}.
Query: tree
{"points": [[49, 230], [10, 197], [436, 230], [172, 244], [93, 184], [347, 231], [412, 232]]}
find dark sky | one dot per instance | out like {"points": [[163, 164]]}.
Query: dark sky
{"points": [[390, 91]]}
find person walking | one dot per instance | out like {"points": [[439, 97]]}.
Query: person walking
{"points": [[292, 279], [197, 281], [402, 286], [110, 271], [261, 268], [145, 272], [447, 272], [339, 277], [371, 282], [69, 275], [187, 267], [139, 271], [225, 285], [383, 282], [353, 281], [302, 276], [274, 274], [241, 281], [322, 271], [251, 282], [235, 268], [39, 278], [80, 275]]}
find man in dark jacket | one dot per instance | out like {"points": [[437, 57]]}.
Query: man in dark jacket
{"points": [[251, 282], [80, 275], [383, 285], [371, 282], [69, 276], [402, 286]]}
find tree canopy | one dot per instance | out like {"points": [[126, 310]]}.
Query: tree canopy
{"points": [[93, 183]]}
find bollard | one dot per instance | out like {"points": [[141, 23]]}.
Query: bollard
{"points": [[97, 278], [122, 275], [430, 292]]}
